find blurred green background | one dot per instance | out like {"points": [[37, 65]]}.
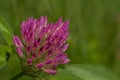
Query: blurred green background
{"points": [[94, 26]]}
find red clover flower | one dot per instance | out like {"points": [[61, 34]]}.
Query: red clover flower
{"points": [[42, 45]]}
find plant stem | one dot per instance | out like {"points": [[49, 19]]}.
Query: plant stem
{"points": [[18, 76]]}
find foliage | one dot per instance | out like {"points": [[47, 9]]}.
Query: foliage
{"points": [[94, 35], [84, 72]]}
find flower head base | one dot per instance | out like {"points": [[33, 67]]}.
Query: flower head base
{"points": [[42, 45]]}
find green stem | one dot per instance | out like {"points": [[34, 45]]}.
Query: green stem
{"points": [[18, 76]]}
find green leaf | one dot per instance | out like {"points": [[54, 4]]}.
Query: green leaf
{"points": [[4, 51], [84, 72], [6, 31], [11, 69], [64, 74]]}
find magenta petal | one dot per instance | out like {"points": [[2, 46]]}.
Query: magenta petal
{"points": [[61, 59], [64, 48], [29, 61], [40, 65], [34, 55], [48, 62], [17, 41], [19, 52], [65, 61], [50, 71], [59, 22]]}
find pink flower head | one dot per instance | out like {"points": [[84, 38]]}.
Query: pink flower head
{"points": [[43, 44]]}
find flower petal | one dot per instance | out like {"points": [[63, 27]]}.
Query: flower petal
{"points": [[50, 71], [19, 51], [29, 61], [17, 41]]}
